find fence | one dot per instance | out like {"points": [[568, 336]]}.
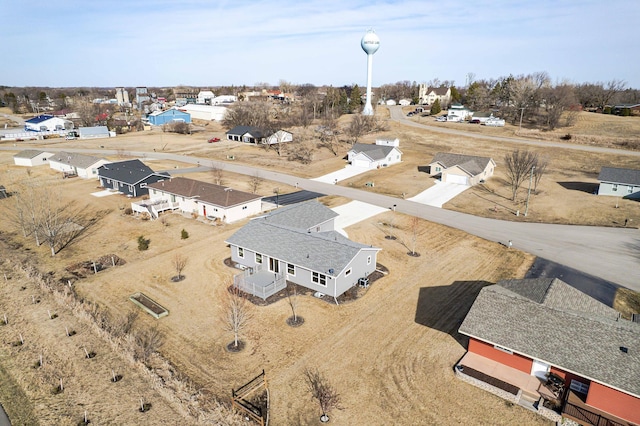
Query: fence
{"points": [[249, 281], [239, 398], [587, 416]]}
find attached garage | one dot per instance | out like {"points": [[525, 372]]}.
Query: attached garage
{"points": [[460, 180], [365, 163]]}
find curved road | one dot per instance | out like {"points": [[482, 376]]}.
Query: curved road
{"points": [[612, 254]]}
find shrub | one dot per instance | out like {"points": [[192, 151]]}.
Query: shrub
{"points": [[606, 110], [184, 234], [566, 137], [143, 243], [128, 211]]}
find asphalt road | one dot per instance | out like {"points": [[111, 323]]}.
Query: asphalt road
{"points": [[612, 254]]}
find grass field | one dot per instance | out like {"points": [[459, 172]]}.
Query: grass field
{"points": [[389, 354]]}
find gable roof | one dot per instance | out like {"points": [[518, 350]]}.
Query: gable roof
{"points": [[470, 163], [303, 216], [206, 192], [374, 152], [324, 252], [616, 175], [548, 320], [30, 153], [73, 159], [241, 130], [130, 171], [440, 91]]}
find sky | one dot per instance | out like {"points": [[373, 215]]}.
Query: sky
{"points": [[208, 43]]}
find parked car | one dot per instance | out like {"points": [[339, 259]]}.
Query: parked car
{"points": [[494, 122], [474, 121], [212, 140], [410, 114], [441, 118]]}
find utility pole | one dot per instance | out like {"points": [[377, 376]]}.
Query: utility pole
{"points": [[526, 209]]}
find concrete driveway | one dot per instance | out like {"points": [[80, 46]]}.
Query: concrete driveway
{"points": [[439, 194], [342, 174], [354, 212]]}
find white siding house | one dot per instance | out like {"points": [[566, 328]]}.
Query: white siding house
{"points": [[383, 153], [84, 166], [31, 157], [203, 199]]}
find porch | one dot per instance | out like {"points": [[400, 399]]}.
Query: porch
{"points": [[153, 207], [509, 383], [259, 282]]}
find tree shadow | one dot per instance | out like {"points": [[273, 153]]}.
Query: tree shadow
{"points": [[443, 308], [588, 187]]}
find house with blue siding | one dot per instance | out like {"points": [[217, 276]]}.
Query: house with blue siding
{"points": [[158, 118], [618, 182], [298, 243], [129, 177]]}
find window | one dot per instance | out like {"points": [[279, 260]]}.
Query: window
{"points": [[614, 187], [579, 387], [319, 278], [630, 189], [369, 260], [153, 191], [258, 258], [240, 252], [438, 169], [500, 348], [348, 272], [291, 269]]}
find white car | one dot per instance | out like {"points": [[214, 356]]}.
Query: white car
{"points": [[494, 122], [441, 118]]}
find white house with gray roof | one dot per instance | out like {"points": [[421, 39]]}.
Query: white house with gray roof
{"points": [[461, 169], [31, 157], [70, 163], [298, 244], [619, 182], [383, 153], [541, 340]]}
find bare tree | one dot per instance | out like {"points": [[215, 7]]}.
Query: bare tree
{"points": [[557, 102], [328, 133], [541, 167], [323, 392], [255, 182], [147, 342], [255, 114], [415, 233], [359, 126], [518, 166], [179, 262], [217, 173], [236, 313], [292, 299]]}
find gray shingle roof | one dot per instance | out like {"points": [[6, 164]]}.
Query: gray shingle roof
{"points": [[474, 165], [130, 172], [375, 152], [206, 192], [623, 176], [28, 153], [303, 216], [317, 251], [550, 321], [73, 159], [241, 130]]}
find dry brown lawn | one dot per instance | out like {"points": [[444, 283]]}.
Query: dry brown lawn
{"points": [[389, 354]]}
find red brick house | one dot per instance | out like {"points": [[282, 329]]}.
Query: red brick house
{"points": [[544, 344]]}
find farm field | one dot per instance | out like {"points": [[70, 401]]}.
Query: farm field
{"points": [[390, 354]]}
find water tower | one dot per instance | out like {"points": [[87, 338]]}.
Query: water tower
{"points": [[370, 44]]}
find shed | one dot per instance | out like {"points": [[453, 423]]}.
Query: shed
{"points": [[93, 132]]}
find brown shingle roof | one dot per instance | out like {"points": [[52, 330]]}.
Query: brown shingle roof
{"points": [[209, 193]]}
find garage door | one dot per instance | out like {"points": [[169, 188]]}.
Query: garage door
{"points": [[460, 180], [361, 163]]}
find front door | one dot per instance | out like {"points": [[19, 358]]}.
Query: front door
{"points": [[540, 369]]}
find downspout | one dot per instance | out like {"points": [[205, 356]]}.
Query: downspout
{"points": [[335, 285]]}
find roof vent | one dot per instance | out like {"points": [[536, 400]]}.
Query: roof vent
{"points": [[624, 349]]}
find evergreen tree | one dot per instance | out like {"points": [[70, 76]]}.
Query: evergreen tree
{"points": [[436, 108], [355, 103]]}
